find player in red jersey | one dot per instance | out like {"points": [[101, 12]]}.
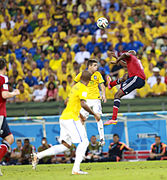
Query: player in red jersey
{"points": [[5, 133], [135, 79]]}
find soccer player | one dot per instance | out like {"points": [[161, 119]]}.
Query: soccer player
{"points": [[94, 99], [134, 80], [5, 133], [71, 128]]}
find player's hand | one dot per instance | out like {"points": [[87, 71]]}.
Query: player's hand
{"points": [[104, 98], [113, 54], [102, 142], [97, 117], [16, 92]]}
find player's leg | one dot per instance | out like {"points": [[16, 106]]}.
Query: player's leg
{"points": [[126, 87], [117, 81], [96, 104], [7, 137], [56, 149], [78, 135]]}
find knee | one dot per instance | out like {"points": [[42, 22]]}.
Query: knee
{"points": [[10, 139]]}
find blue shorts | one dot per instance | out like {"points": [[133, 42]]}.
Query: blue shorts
{"points": [[131, 84], [4, 128]]}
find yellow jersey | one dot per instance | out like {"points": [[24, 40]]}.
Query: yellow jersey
{"points": [[159, 88], [79, 91], [93, 86]]}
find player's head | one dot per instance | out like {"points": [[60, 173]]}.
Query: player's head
{"points": [[19, 143], [2, 65], [157, 139], [26, 142], [116, 138], [86, 77], [93, 139], [133, 52], [92, 65]]}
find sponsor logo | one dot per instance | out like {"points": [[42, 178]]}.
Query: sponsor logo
{"points": [[95, 77], [146, 135]]}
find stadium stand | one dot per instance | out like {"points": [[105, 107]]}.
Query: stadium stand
{"points": [[37, 41]]}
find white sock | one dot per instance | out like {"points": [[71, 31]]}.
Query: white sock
{"points": [[56, 149], [80, 153], [100, 129]]}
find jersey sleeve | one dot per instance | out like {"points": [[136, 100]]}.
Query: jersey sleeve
{"points": [[83, 93], [4, 83], [78, 77], [101, 80]]}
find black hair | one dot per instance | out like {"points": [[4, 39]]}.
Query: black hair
{"points": [[116, 135], [91, 61], [50, 84], [26, 140], [158, 137], [2, 63], [64, 82]]}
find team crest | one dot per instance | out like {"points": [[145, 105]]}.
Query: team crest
{"points": [[95, 77]]}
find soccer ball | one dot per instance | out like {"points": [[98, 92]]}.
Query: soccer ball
{"points": [[102, 23]]}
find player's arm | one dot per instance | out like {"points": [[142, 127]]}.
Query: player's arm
{"points": [[103, 92], [7, 94], [88, 109], [120, 59]]}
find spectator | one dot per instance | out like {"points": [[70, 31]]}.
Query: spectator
{"points": [[134, 45], [52, 28], [86, 37], [112, 3], [104, 67], [63, 91], [104, 45], [27, 150], [33, 50], [52, 92], [24, 95], [159, 89], [116, 149], [161, 62], [78, 45], [91, 45], [16, 153], [40, 93], [31, 80], [80, 56], [158, 149], [92, 26], [94, 151], [44, 146], [40, 62], [120, 42], [56, 62], [153, 79]]}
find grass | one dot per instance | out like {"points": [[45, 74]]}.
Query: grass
{"points": [[97, 171]]}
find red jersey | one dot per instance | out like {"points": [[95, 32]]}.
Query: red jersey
{"points": [[135, 67], [3, 87]]}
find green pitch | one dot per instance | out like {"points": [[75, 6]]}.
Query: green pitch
{"points": [[156, 170]]}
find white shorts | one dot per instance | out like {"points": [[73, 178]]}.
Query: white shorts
{"points": [[72, 131], [95, 104]]}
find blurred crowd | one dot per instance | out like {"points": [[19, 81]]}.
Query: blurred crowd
{"points": [[48, 42]]}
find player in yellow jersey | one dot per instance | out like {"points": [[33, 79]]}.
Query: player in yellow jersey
{"points": [[71, 128], [94, 98]]}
